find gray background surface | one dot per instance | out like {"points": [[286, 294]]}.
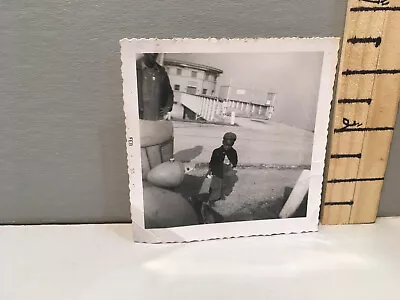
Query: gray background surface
{"points": [[62, 131]]}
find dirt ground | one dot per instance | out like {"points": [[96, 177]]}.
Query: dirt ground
{"points": [[256, 193]]}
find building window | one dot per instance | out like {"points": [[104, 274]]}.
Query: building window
{"points": [[204, 91], [191, 90], [194, 74], [178, 71], [177, 87], [206, 76]]}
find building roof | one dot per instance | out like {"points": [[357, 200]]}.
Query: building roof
{"points": [[183, 64]]}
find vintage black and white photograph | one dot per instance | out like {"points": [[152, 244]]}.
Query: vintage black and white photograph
{"points": [[228, 141]]}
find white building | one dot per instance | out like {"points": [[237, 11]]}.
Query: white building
{"points": [[192, 78], [196, 94]]}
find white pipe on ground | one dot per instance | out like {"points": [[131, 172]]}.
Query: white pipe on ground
{"points": [[296, 197]]}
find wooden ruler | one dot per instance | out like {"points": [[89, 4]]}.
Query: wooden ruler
{"points": [[364, 113]]}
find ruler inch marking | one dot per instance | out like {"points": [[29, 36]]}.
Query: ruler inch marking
{"points": [[339, 130], [339, 203], [381, 2], [356, 40], [367, 72], [374, 8], [354, 100], [347, 155], [355, 179]]}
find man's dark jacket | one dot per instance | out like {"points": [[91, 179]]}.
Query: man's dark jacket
{"points": [[166, 95]]}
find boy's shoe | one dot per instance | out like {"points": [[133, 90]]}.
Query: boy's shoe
{"points": [[209, 215]]}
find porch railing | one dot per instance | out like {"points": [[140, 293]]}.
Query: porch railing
{"points": [[213, 108]]}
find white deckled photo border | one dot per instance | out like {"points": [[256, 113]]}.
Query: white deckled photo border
{"points": [[130, 47]]}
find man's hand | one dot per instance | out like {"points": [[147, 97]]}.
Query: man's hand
{"points": [[164, 112]]}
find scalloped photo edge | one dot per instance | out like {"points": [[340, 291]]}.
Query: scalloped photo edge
{"points": [[212, 107]]}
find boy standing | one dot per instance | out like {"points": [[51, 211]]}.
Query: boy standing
{"points": [[223, 160]]}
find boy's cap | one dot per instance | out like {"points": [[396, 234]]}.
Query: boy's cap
{"points": [[230, 136]]}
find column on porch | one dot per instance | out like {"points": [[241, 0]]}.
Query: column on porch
{"points": [[203, 106]]}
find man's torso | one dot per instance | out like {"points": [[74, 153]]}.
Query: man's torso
{"points": [[151, 93]]}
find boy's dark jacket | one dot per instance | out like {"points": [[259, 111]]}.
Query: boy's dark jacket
{"points": [[217, 160]]}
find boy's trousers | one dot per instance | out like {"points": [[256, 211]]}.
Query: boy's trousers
{"points": [[215, 189], [220, 187]]}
